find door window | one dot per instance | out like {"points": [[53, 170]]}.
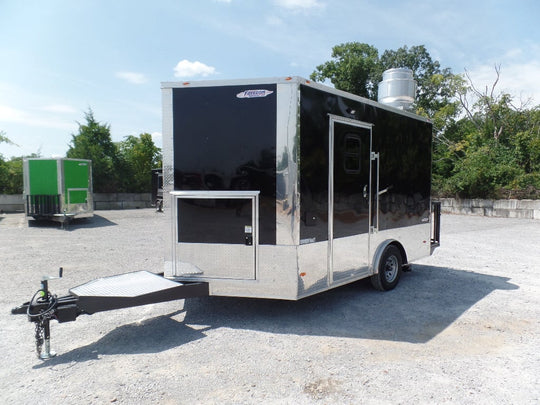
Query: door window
{"points": [[351, 152]]}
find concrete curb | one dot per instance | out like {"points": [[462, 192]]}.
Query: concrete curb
{"points": [[102, 201], [492, 208], [488, 208]]}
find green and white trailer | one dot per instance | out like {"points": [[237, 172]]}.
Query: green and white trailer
{"points": [[58, 188]]}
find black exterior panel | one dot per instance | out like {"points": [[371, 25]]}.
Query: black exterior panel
{"points": [[314, 149], [223, 142], [404, 144], [213, 220]]}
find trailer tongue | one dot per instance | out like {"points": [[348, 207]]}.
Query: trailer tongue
{"points": [[132, 289], [103, 294]]}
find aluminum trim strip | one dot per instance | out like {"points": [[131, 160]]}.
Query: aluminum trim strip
{"points": [[333, 119], [215, 194], [350, 121]]}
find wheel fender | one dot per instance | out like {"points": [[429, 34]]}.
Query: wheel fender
{"points": [[379, 252]]}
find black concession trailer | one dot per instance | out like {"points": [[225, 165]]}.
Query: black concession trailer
{"points": [[283, 188], [276, 188]]}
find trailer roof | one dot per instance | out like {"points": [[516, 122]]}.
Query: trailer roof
{"points": [[58, 158], [289, 79]]}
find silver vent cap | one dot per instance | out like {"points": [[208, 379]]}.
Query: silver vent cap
{"points": [[398, 88]]}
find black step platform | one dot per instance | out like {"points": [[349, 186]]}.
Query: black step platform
{"points": [[132, 289]]}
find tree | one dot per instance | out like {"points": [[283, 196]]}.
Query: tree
{"points": [[355, 67], [11, 171], [493, 152], [436, 87], [11, 175], [4, 176], [139, 155], [10, 178], [358, 69], [93, 141], [4, 138]]}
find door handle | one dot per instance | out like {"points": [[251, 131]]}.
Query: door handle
{"points": [[365, 193], [386, 190]]}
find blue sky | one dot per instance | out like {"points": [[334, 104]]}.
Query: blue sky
{"points": [[58, 58]]}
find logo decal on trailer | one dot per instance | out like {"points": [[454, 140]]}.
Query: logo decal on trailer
{"points": [[253, 93]]}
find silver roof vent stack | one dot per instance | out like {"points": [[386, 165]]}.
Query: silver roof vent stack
{"points": [[398, 88]]}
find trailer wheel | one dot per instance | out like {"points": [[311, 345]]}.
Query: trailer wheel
{"points": [[390, 268]]}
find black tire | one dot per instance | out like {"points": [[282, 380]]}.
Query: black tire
{"points": [[390, 269]]}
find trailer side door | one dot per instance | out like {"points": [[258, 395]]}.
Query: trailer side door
{"points": [[77, 185], [349, 198]]}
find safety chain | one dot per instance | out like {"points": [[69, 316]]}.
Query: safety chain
{"points": [[43, 298], [44, 316], [40, 333]]}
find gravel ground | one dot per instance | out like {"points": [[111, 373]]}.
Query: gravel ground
{"points": [[462, 327]]}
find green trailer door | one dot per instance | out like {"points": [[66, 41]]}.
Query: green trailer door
{"points": [[43, 177], [76, 181]]}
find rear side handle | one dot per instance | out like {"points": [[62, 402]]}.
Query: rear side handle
{"points": [[386, 190]]}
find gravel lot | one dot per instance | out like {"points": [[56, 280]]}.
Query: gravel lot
{"points": [[462, 327]]}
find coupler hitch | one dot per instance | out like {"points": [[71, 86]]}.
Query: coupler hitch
{"points": [[103, 294], [44, 307]]}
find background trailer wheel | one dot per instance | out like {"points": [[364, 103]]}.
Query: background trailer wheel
{"points": [[389, 271]]}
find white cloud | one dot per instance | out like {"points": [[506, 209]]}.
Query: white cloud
{"points": [[157, 138], [299, 4], [15, 115], [59, 108], [132, 77], [186, 68], [274, 21], [519, 79], [11, 114]]}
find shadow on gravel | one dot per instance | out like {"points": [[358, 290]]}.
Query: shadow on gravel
{"points": [[426, 302], [150, 336], [97, 221]]}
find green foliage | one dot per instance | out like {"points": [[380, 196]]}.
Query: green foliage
{"points": [[435, 85], [93, 141], [14, 183], [492, 153], [354, 67], [138, 156], [357, 68], [483, 170], [4, 176], [11, 174], [11, 180], [4, 138], [526, 147], [122, 167]]}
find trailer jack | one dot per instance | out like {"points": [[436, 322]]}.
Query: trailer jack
{"points": [[104, 294], [41, 309]]}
